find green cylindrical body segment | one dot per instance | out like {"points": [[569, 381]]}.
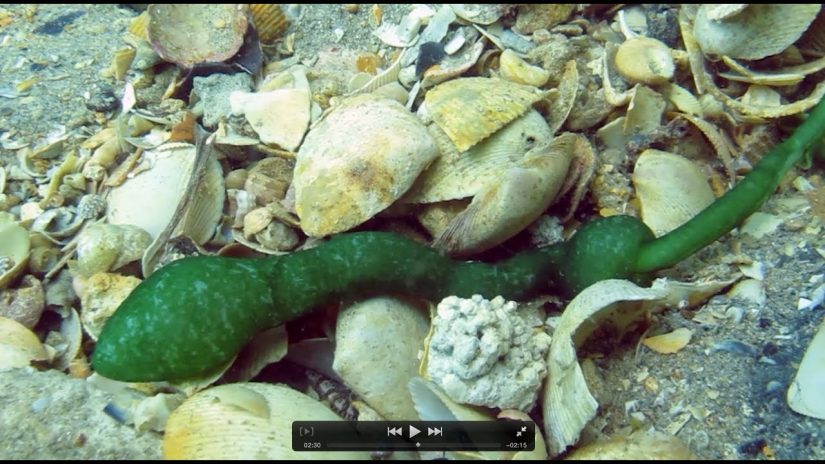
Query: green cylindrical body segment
{"points": [[187, 318]]}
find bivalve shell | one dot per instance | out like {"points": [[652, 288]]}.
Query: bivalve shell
{"points": [[245, 421], [358, 160], [645, 60], [196, 33], [19, 346], [376, 347], [758, 31], [270, 21], [14, 249], [515, 69], [471, 109], [671, 189]]}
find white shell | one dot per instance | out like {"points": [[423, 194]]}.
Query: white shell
{"points": [[760, 30], [805, 393], [645, 60], [671, 188], [279, 117], [245, 421], [357, 161], [376, 347], [149, 199]]}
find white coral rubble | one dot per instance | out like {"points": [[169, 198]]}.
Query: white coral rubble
{"points": [[487, 353]]}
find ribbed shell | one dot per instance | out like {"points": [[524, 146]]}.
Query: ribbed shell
{"points": [[269, 20], [471, 109]]}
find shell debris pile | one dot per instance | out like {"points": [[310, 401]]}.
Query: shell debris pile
{"points": [[462, 127]]}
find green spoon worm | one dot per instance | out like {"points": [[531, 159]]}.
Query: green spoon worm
{"points": [[195, 314]]}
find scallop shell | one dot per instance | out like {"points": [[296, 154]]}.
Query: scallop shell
{"points": [[453, 178], [14, 249], [140, 25], [357, 161], [645, 60], [245, 421], [805, 392], [471, 109], [192, 34], [376, 347], [270, 21], [671, 189], [758, 31]]}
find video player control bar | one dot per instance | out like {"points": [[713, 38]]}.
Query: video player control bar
{"points": [[502, 435]]}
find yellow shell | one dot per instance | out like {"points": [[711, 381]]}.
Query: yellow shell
{"points": [[672, 189], [645, 60], [360, 158], [245, 421], [471, 109], [14, 249], [140, 25], [756, 32], [270, 21]]}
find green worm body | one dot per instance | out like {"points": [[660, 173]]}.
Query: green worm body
{"points": [[194, 315]]}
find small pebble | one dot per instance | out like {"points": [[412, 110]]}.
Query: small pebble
{"points": [[40, 404]]}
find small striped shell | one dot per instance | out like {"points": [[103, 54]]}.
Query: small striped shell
{"points": [[471, 109], [270, 21]]}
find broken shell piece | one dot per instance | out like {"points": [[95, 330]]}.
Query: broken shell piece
{"points": [[244, 421], [25, 303], [515, 69], [479, 13], [14, 249], [67, 341], [192, 34], [404, 33], [639, 445], [453, 66], [805, 392], [432, 404], [758, 31], [670, 342], [644, 114], [645, 60], [279, 117], [376, 346], [471, 109], [357, 161], [58, 223], [102, 294], [107, 247], [149, 199], [19, 346], [269, 179], [567, 402], [671, 189]]}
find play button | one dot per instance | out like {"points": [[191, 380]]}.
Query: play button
{"points": [[414, 431]]}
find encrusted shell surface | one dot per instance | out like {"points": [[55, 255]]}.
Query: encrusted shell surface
{"points": [[245, 421], [671, 189], [471, 109], [188, 34], [358, 160], [376, 347], [758, 31]]}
